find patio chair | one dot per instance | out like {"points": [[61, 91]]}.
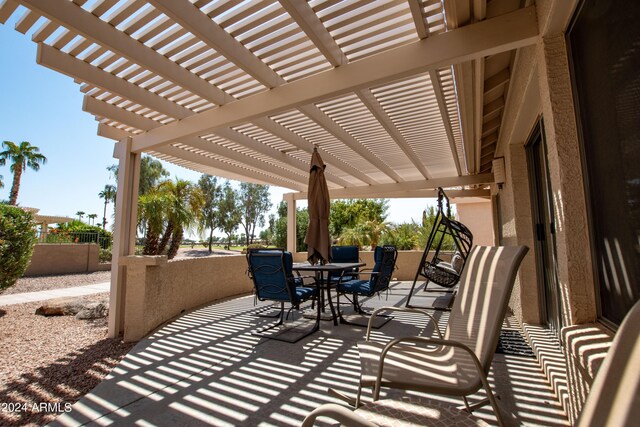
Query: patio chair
{"points": [[456, 363], [272, 274], [379, 278], [614, 399], [344, 254]]}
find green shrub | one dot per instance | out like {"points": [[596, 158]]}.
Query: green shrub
{"points": [[104, 255], [17, 237], [79, 232], [254, 246]]}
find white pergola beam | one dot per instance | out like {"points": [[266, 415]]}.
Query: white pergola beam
{"points": [[237, 172], [77, 69], [415, 6], [372, 104], [7, 7], [199, 24], [282, 132], [86, 24], [104, 109], [213, 148], [111, 132], [315, 114], [245, 141], [503, 33], [410, 187], [444, 113], [307, 19], [398, 194]]}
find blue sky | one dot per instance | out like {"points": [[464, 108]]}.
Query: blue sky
{"points": [[45, 108]]}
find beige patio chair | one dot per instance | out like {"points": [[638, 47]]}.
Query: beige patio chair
{"points": [[456, 363], [614, 399]]}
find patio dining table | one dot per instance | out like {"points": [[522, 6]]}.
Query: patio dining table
{"points": [[323, 283]]}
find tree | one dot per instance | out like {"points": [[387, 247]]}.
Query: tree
{"points": [[152, 208], [80, 215], [21, 156], [209, 218], [279, 228], [403, 236], [229, 211], [109, 195], [92, 218], [151, 173], [185, 204], [254, 203], [350, 213]]}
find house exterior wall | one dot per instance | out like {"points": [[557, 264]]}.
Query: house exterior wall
{"points": [[478, 217], [541, 86], [63, 259]]}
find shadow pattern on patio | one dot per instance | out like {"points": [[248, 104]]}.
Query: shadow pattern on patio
{"points": [[206, 368]]}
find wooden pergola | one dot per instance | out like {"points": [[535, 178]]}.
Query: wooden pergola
{"points": [[399, 96]]}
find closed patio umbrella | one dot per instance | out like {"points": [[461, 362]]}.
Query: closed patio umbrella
{"points": [[317, 237]]}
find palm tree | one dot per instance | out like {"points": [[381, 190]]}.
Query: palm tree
{"points": [[92, 218], [21, 156], [151, 212], [109, 195], [186, 206], [80, 215]]}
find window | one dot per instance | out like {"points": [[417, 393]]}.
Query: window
{"points": [[604, 44]]}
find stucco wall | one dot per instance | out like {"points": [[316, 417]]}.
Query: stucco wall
{"points": [[406, 265], [63, 259], [565, 169], [478, 217], [157, 290], [541, 86]]}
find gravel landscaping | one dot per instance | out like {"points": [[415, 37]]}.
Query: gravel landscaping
{"points": [[48, 363]]}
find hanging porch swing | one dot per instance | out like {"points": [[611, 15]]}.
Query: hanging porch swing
{"points": [[432, 267]]}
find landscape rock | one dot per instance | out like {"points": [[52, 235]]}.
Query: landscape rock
{"points": [[61, 307], [96, 310]]}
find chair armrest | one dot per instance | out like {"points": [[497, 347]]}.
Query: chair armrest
{"points": [[339, 413], [406, 310], [425, 340]]}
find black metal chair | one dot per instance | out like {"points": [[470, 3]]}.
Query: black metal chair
{"points": [[341, 254], [380, 276], [272, 275]]}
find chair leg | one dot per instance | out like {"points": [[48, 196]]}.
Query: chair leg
{"points": [[492, 400], [358, 396]]}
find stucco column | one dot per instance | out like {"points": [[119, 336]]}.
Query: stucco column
{"points": [[565, 169], [124, 236], [291, 222]]}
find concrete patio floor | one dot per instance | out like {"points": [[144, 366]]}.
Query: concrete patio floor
{"points": [[205, 368]]}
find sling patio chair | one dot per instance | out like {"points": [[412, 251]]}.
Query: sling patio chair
{"points": [[614, 399], [379, 278], [457, 362], [272, 274]]}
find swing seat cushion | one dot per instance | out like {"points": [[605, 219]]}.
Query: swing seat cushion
{"points": [[447, 267]]}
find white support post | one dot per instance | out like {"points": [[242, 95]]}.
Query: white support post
{"points": [[291, 222], [124, 236]]}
